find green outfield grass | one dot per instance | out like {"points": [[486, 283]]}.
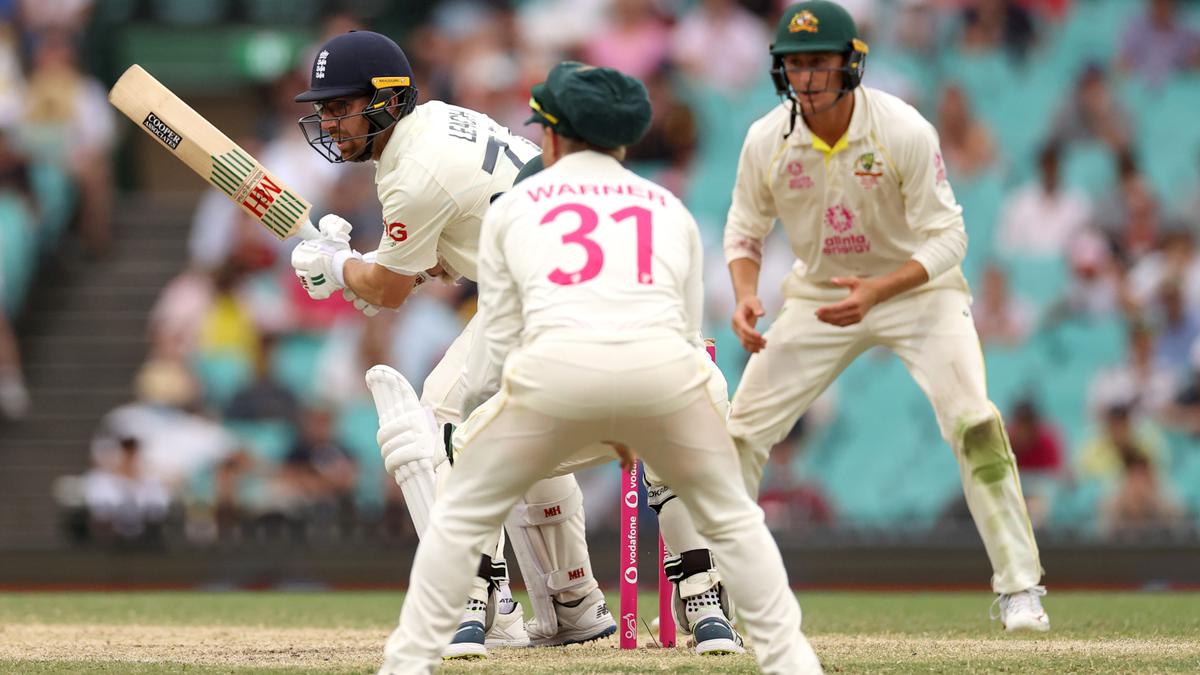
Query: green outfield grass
{"points": [[343, 632]]}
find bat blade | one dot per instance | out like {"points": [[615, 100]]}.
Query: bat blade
{"points": [[211, 154]]}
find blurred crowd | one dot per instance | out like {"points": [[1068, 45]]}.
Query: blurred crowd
{"points": [[56, 143], [1068, 131]]}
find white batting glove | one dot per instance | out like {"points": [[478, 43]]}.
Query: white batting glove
{"points": [[319, 263]]}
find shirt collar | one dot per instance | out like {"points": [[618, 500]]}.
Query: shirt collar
{"points": [[857, 129], [586, 158]]}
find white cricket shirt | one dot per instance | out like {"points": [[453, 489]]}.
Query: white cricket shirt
{"points": [[875, 200], [587, 246], [437, 176]]}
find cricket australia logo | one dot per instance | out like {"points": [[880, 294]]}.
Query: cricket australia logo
{"points": [[804, 22], [868, 169], [798, 181], [319, 71]]}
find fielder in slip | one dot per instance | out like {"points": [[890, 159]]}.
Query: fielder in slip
{"points": [[590, 280], [857, 179], [438, 168]]}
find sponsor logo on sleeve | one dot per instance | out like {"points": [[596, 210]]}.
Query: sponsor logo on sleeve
{"points": [[396, 232]]}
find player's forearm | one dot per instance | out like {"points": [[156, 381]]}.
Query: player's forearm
{"points": [[905, 278], [744, 273], [377, 284]]}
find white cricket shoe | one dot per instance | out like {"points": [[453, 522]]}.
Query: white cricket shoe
{"points": [[588, 620], [711, 630], [508, 630], [468, 642], [1022, 610]]}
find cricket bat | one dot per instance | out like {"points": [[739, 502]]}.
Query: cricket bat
{"points": [[210, 153]]}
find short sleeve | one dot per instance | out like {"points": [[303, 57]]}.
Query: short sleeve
{"points": [[415, 211]]}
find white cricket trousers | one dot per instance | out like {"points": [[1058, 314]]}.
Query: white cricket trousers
{"points": [[562, 392], [932, 332]]}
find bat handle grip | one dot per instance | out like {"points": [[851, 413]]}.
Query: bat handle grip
{"points": [[308, 231]]}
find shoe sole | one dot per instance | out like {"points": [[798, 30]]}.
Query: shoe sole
{"points": [[719, 648], [507, 644], [610, 630], [1028, 628]]}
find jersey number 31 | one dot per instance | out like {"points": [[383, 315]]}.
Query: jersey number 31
{"points": [[588, 220]]}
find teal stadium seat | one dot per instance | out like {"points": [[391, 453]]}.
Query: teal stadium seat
{"points": [[221, 375], [17, 250], [357, 423], [56, 200], [294, 361], [268, 441]]}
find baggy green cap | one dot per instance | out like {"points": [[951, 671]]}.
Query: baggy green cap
{"points": [[601, 106]]}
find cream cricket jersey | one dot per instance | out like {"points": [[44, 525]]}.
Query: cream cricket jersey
{"points": [[876, 199], [438, 173], [587, 245]]}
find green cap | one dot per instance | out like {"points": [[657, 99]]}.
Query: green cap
{"points": [[816, 26], [531, 167], [601, 106]]}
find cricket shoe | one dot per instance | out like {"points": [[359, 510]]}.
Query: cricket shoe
{"points": [[583, 621], [508, 630], [711, 631], [468, 642], [1022, 610]]}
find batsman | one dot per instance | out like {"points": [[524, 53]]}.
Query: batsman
{"points": [[438, 169], [857, 179]]}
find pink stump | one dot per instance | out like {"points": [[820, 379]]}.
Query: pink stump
{"points": [[666, 621], [629, 558]]}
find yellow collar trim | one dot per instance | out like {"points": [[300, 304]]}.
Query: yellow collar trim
{"points": [[841, 144]]}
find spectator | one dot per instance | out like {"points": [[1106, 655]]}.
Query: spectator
{"points": [[318, 475], [1092, 114], [966, 142], [70, 123], [1094, 290], [1036, 445], [1041, 218], [1175, 262], [264, 398], [787, 499], [1178, 327], [14, 397], [124, 501], [1183, 414], [741, 35], [174, 442], [989, 25], [1123, 435], [669, 144], [228, 326], [1130, 216], [1140, 501], [1156, 44], [635, 42], [1000, 318], [1142, 382]]}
